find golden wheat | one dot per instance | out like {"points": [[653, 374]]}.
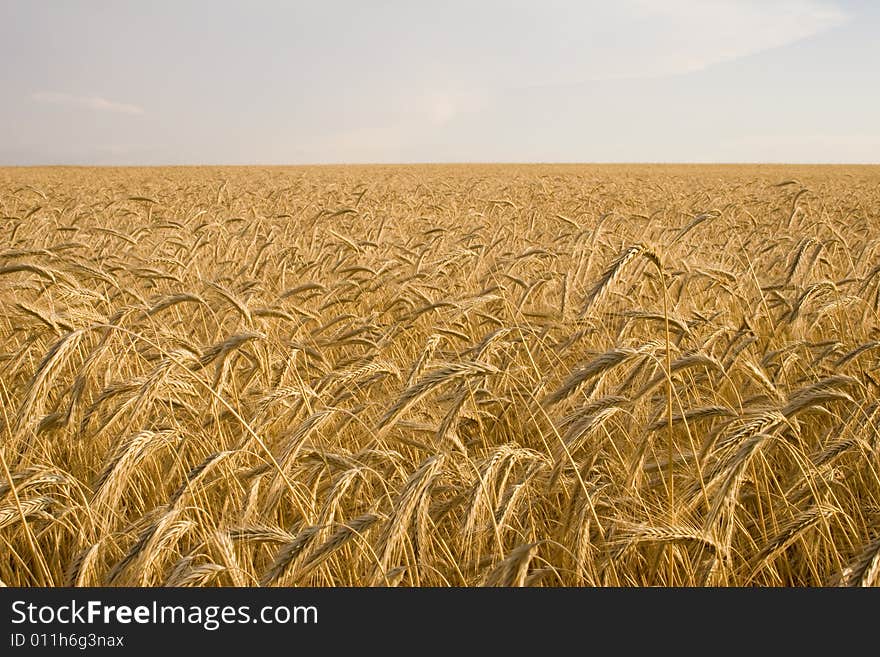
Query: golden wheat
{"points": [[440, 376]]}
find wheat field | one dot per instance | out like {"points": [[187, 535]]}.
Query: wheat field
{"points": [[440, 375]]}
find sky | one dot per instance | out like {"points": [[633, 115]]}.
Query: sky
{"points": [[270, 82]]}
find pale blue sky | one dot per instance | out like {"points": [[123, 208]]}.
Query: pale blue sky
{"points": [[159, 82]]}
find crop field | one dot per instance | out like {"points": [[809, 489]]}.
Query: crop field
{"points": [[450, 375]]}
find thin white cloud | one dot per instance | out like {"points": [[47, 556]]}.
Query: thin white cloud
{"points": [[707, 32], [643, 39], [441, 107], [96, 103]]}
